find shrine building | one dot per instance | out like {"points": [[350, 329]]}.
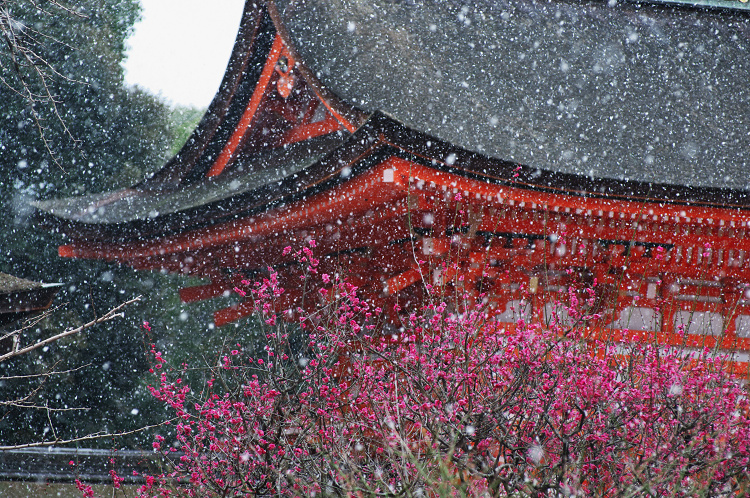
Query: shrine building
{"points": [[538, 146], [20, 299]]}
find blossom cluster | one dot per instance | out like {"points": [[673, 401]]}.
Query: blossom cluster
{"points": [[451, 401]]}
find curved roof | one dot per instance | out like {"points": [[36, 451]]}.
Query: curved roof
{"points": [[139, 205], [618, 90], [586, 94], [10, 283]]}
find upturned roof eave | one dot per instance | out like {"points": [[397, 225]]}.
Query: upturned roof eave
{"points": [[379, 140], [322, 174]]}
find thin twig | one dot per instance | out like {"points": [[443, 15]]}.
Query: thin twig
{"points": [[88, 437], [110, 315]]}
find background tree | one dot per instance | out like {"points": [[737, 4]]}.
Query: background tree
{"points": [[69, 126]]}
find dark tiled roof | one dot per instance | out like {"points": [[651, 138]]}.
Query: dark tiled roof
{"points": [[650, 94], [9, 284], [642, 92]]}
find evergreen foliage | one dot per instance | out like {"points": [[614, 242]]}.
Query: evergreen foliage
{"points": [[69, 126]]}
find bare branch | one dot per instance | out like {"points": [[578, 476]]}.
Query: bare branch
{"points": [[88, 437], [31, 322], [110, 315], [32, 70], [44, 375]]}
